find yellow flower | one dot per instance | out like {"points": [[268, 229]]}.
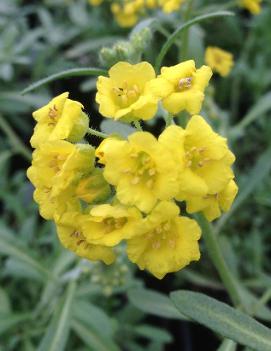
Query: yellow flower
{"points": [[219, 60], [109, 224], [212, 204], [55, 167], [125, 95], [60, 119], [74, 238], [126, 14], [181, 87], [254, 6], [203, 157], [142, 170], [168, 242], [169, 6]]}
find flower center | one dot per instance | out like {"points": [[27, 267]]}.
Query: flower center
{"points": [[56, 162], [111, 224], [162, 236], [194, 158], [185, 83], [144, 170], [126, 95], [80, 239], [52, 115]]}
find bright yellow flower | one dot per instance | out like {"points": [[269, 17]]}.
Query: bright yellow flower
{"points": [[142, 170], [168, 242], [219, 60], [203, 157], [169, 6], [55, 167], [125, 95], [126, 14], [109, 224], [60, 119], [74, 238], [212, 204], [181, 87], [254, 6]]}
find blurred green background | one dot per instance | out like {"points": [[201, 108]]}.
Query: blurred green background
{"points": [[49, 298]]}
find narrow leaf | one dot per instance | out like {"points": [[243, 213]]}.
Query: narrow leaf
{"points": [[170, 41], [227, 345], [155, 303], [74, 72], [58, 331], [223, 319], [12, 320], [92, 339]]}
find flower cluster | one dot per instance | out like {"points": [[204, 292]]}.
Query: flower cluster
{"points": [[131, 193], [127, 12]]}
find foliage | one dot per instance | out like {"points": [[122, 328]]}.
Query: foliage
{"points": [[52, 300]]}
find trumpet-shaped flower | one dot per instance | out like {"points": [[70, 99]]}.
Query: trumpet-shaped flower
{"points": [[74, 238], [60, 119], [181, 87], [125, 95], [219, 60], [168, 242], [212, 204], [254, 6], [203, 158], [109, 224], [142, 170]]}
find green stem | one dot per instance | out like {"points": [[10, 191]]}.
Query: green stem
{"points": [[217, 258], [16, 143], [138, 126], [180, 29], [185, 35], [96, 133]]}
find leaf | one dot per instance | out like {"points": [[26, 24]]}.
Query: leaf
{"points": [[12, 320], [255, 177], [93, 340], [92, 316], [58, 331], [74, 72], [171, 39], [223, 319], [4, 302], [155, 303], [122, 129], [153, 333], [227, 345], [260, 108], [9, 245]]}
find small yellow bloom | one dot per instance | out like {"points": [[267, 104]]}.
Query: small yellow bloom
{"points": [[109, 224], [168, 242], [60, 119], [142, 170], [219, 60], [55, 167], [254, 6], [181, 87], [203, 158], [212, 205], [169, 6], [125, 95], [126, 14], [74, 238]]}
